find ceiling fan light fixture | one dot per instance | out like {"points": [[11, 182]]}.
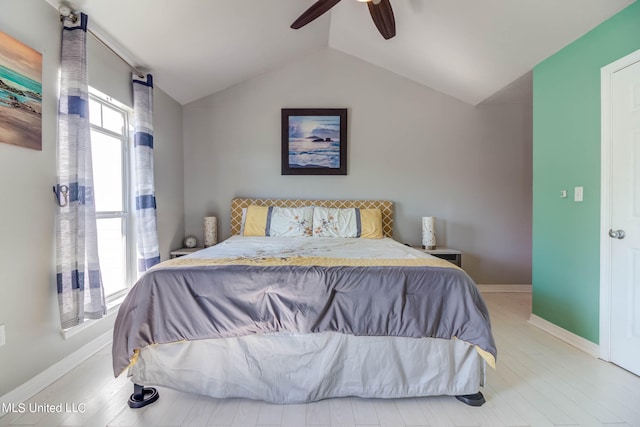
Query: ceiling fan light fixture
{"points": [[380, 11]]}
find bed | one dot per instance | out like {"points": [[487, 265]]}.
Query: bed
{"points": [[301, 313]]}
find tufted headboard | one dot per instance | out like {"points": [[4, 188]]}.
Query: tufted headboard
{"points": [[385, 206]]}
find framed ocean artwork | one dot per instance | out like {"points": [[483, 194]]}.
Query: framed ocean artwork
{"points": [[20, 94], [314, 141]]}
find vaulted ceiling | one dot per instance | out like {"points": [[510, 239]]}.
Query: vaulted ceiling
{"points": [[469, 49]]}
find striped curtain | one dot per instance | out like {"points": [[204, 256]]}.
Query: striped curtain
{"points": [[146, 228], [80, 291]]}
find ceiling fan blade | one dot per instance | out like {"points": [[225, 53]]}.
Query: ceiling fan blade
{"points": [[316, 9], [382, 16]]}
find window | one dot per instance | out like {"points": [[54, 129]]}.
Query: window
{"points": [[110, 135]]}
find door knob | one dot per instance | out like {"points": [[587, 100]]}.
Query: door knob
{"points": [[617, 234]]}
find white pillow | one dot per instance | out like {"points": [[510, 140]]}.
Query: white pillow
{"points": [[347, 222], [276, 221], [334, 222], [290, 222]]}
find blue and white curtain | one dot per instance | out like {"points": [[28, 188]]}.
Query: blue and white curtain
{"points": [[80, 290], [146, 227]]}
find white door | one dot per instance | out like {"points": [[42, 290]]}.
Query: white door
{"points": [[625, 218]]}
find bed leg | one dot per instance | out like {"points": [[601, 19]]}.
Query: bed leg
{"points": [[142, 396], [476, 399]]}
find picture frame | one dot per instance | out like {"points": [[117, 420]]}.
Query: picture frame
{"points": [[314, 141], [20, 94]]}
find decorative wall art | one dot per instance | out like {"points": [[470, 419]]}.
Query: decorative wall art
{"points": [[20, 94], [314, 141]]}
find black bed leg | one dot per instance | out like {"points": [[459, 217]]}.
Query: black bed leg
{"points": [[142, 396], [476, 399]]}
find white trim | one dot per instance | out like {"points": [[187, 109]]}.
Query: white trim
{"points": [[505, 288], [606, 74], [566, 336], [47, 377], [112, 310]]}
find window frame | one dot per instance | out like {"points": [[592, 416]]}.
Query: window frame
{"points": [[126, 214]]}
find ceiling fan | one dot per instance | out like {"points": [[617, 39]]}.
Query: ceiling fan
{"points": [[380, 11]]}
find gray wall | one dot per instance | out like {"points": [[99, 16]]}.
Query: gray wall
{"points": [[470, 167], [28, 301]]}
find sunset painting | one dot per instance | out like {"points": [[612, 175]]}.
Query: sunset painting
{"points": [[20, 94], [314, 142]]}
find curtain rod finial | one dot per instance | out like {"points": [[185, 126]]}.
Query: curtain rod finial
{"points": [[64, 10]]}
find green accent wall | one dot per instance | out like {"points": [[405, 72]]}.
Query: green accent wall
{"points": [[566, 154]]}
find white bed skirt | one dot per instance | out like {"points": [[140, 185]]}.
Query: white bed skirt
{"points": [[297, 368]]}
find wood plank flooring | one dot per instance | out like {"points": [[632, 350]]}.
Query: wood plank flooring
{"points": [[539, 381]]}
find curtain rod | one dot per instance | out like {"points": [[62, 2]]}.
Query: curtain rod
{"points": [[65, 12]]}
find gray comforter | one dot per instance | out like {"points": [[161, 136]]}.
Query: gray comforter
{"points": [[172, 303]]}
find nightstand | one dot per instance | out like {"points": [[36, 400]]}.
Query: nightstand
{"points": [[182, 252], [451, 255]]}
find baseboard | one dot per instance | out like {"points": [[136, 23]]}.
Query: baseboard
{"points": [[566, 336], [54, 372], [505, 288]]}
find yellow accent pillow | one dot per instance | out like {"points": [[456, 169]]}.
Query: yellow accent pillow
{"points": [[371, 224], [255, 223]]}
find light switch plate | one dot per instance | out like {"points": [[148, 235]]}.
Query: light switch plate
{"points": [[3, 339], [578, 194]]}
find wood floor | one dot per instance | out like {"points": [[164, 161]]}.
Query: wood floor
{"points": [[539, 381]]}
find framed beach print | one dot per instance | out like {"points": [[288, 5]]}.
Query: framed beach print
{"points": [[314, 141], [20, 94]]}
